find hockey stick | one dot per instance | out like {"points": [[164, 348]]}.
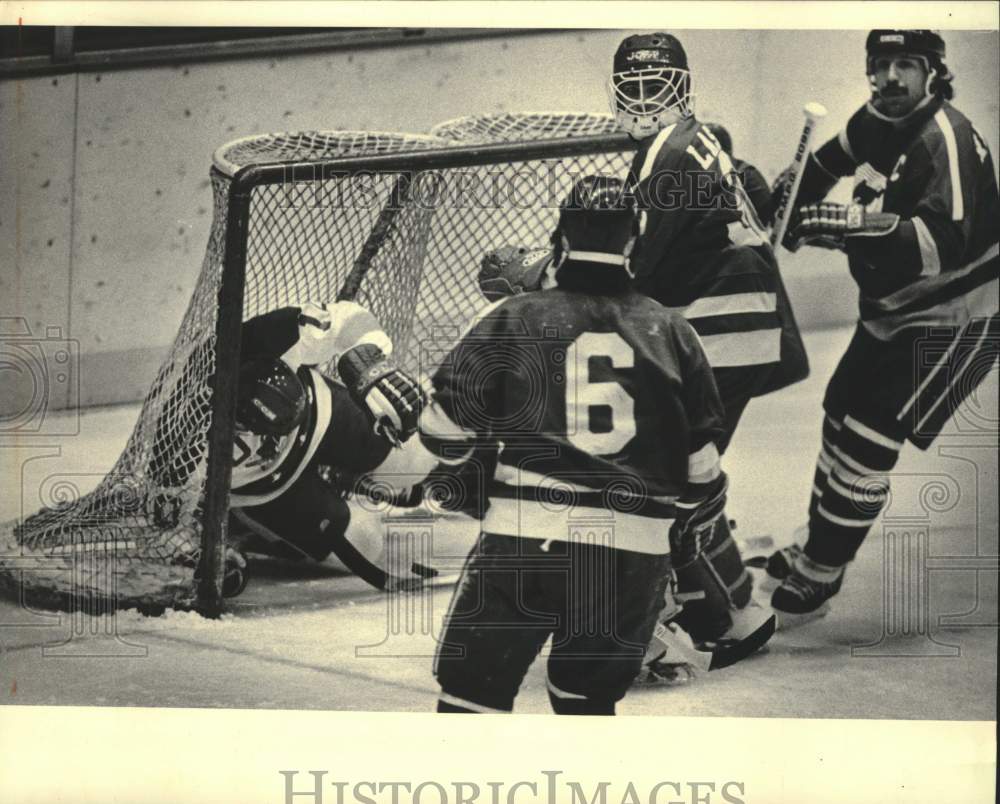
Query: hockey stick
{"points": [[379, 234], [814, 112], [726, 654]]}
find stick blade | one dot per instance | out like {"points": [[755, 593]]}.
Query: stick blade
{"points": [[730, 654]]}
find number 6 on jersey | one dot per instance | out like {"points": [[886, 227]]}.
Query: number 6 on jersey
{"points": [[583, 394]]}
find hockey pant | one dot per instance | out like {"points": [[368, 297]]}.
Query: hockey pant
{"points": [[598, 604], [881, 395]]}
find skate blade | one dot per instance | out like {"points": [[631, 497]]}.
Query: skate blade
{"points": [[788, 621]]}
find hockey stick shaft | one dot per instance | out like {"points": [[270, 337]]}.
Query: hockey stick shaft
{"points": [[814, 112], [379, 234]]}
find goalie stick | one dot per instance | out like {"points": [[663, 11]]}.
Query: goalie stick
{"points": [[723, 655], [814, 112]]}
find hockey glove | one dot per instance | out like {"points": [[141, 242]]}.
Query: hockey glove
{"points": [[828, 225], [392, 399], [510, 270]]}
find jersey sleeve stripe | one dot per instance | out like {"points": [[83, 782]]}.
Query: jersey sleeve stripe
{"points": [[703, 465], [742, 348], [951, 148], [929, 257], [731, 304], [647, 166], [845, 143]]}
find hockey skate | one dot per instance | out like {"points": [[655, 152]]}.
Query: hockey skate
{"points": [[777, 564], [800, 599]]}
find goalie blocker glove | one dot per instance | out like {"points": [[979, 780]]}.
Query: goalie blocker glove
{"points": [[828, 225], [391, 397]]}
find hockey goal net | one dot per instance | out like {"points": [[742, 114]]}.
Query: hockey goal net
{"points": [[398, 222]]}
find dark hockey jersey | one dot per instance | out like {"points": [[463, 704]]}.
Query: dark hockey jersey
{"points": [[603, 409], [939, 266], [703, 251], [307, 338]]}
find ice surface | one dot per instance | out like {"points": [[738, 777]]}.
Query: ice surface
{"points": [[912, 634]]}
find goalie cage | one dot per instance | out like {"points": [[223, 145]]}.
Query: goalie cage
{"points": [[398, 222]]}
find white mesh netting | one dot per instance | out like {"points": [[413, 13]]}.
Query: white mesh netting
{"points": [[135, 539]]}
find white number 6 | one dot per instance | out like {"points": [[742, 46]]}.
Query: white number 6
{"points": [[582, 394]]}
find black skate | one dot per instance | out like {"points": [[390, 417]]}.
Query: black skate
{"points": [[800, 599], [777, 566]]}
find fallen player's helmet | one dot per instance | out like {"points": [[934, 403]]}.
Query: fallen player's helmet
{"points": [[925, 44], [510, 270], [649, 80], [597, 223], [271, 400]]}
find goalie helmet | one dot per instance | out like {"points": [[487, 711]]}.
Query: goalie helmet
{"points": [[650, 83], [510, 270], [597, 224], [271, 400]]}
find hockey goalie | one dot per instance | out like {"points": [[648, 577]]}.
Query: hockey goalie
{"points": [[317, 462]]}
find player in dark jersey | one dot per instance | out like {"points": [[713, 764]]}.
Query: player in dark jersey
{"points": [[921, 243], [703, 252], [603, 416], [303, 440], [757, 189]]}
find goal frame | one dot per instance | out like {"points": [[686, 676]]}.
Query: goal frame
{"points": [[230, 298]]}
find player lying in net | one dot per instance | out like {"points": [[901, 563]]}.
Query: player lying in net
{"points": [[303, 441]]}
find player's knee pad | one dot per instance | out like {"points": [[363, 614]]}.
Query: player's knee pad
{"points": [[711, 580]]}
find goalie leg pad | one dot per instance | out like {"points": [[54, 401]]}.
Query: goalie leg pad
{"points": [[711, 578], [301, 523]]}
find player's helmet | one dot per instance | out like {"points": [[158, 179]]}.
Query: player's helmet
{"points": [[270, 400], [510, 270], [928, 45], [597, 223], [649, 81]]}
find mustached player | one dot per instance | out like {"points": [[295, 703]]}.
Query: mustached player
{"points": [[921, 242], [304, 440], [603, 412]]}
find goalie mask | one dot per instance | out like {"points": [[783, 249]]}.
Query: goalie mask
{"points": [[650, 84], [597, 227], [271, 400]]}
